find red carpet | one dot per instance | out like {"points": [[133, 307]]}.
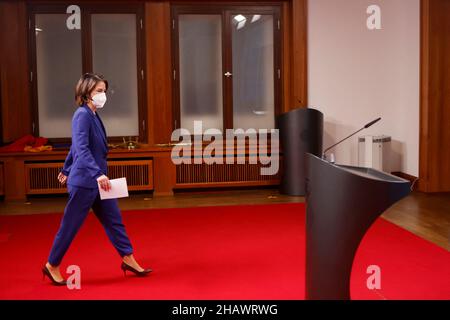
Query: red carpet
{"points": [[238, 252]]}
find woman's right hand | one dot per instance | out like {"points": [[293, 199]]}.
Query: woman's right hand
{"points": [[62, 178], [104, 183]]}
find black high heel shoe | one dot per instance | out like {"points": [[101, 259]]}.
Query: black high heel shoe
{"points": [[46, 272], [125, 267]]}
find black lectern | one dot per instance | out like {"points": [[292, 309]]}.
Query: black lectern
{"points": [[301, 131], [342, 202]]}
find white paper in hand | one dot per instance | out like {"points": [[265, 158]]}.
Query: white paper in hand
{"points": [[119, 189]]}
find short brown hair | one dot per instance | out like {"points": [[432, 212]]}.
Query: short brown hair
{"points": [[85, 85]]}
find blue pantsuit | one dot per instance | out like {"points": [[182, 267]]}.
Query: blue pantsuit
{"points": [[86, 162]]}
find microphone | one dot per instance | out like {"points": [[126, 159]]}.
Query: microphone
{"points": [[371, 123]]}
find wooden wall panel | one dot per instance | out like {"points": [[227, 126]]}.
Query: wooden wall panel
{"points": [[287, 100], [444, 127], [14, 179], [299, 75], [434, 168], [294, 55], [424, 94], [159, 65], [14, 71], [157, 159], [164, 175]]}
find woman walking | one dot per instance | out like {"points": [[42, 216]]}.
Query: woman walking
{"points": [[85, 171]]}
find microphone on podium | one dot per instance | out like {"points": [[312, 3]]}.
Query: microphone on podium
{"points": [[371, 123]]}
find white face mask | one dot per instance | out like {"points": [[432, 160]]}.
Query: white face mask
{"points": [[99, 100]]}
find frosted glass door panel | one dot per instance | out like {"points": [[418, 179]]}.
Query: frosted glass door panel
{"points": [[114, 56], [253, 71], [200, 58], [58, 59]]}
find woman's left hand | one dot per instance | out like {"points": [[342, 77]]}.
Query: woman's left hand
{"points": [[62, 178]]}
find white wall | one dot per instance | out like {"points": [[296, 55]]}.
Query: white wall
{"points": [[356, 75]]}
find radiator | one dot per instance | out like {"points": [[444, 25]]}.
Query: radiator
{"points": [[375, 152], [198, 175], [41, 178]]}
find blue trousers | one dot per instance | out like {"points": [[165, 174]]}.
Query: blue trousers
{"points": [[81, 200]]}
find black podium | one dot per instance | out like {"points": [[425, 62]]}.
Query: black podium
{"points": [[301, 131], [342, 202]]}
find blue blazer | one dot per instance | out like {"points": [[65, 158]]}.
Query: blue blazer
{"points": [[86, 160]]}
